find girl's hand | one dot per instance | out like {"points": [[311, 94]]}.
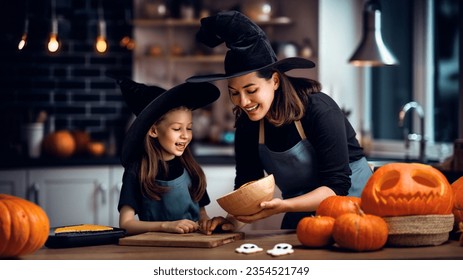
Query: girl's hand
{"points": [[208, 226], [269, 208], [180, 226]]}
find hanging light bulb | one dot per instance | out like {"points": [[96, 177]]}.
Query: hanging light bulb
{"points": [[53, 43], [101, 44], [372, 51], [23, 41]]}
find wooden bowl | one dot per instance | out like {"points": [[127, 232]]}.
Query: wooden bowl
{"points": [[246, 200]]}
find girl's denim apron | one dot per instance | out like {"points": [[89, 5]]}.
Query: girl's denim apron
{"points": [[176, 204], [295, 172]]}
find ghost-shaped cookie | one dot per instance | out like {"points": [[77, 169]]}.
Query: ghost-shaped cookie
{"points": [[281, 249], [248, 248]]}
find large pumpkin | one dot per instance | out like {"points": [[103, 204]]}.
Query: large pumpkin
{"points": [[24, 226], [360, 231], [59, 144], [334, 206], [402, 189], [457, 188], [315, 231]]}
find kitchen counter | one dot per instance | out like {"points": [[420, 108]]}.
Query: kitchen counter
{"points": [[264, 239]]}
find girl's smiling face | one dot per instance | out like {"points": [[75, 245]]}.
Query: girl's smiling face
{"points": [[252, 94], [174, 132]]}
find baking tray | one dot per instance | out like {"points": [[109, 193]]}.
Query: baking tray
{"points": [[80, 239]]}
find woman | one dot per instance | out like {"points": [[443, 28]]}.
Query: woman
{"points": [[284, 125], [162, 183]]}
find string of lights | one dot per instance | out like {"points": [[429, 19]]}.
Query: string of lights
{"points": [[54, 42]]}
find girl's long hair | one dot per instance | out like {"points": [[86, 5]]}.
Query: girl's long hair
{"points": [[290, 99], [151, 161]]}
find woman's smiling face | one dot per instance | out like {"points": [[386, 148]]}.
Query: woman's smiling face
{"points": [[252, 94]]}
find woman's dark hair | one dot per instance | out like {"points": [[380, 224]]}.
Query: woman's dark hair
{"points": [[291, 97]]}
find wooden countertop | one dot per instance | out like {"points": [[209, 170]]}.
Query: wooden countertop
{"points": [[263, 239]]}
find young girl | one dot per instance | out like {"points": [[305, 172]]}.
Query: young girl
{"points": [[162, 183], [285, 125]]}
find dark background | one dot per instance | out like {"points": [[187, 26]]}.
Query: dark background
{"points": [[71, 85]]}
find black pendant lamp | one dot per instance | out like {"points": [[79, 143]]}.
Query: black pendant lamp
{"points": [[372, 51]]}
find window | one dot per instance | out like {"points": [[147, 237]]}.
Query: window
{"points": [[424, 35]]}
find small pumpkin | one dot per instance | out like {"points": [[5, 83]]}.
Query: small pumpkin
{"points": [[402, 189], [81, 139], [315, 231], [360, 231], [59, 144], [334, 206], [96, 148], [24, 226], [457, 188]]}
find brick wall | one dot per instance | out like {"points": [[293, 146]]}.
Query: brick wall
{"points": [[72, 85]]}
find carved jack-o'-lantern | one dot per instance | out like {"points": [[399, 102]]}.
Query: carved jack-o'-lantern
{"points": [[402, 189]]}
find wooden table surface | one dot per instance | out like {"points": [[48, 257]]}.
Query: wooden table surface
{"points": [[263, 239]]}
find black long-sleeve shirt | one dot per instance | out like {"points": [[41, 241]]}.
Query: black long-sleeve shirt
{"points": [[326, 128]]}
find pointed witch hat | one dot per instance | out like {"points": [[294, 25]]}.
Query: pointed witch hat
{"points": [[249, 48], [149, 103]]}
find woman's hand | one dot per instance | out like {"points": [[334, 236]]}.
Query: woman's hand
{"points": [[269, 208], [208, 226], [180, 226]]}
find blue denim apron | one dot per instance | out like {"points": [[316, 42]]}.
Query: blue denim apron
{"points": [[296, 172], [176, 204]]}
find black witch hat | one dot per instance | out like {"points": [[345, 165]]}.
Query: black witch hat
{"points": [[149, 103], [249, 48]]}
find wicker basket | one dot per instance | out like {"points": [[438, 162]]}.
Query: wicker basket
{"points": [[419, 230]]}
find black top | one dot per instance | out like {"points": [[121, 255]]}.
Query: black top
{"points": [[131, 194], [326, 128]]}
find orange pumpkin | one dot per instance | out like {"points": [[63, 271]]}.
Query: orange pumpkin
{"points": [[360, 231], [457, 188], [96, 148], [315, 231], [334, 206], [24, 226], [59, 144], [402, 189], [81, 139]]}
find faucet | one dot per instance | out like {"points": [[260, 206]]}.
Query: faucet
{"points": [[413, 136]]}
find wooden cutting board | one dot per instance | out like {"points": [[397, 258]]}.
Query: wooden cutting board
{"points": [[196, 239]]}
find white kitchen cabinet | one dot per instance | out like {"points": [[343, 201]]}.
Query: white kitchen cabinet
{"points": [[13, 182], [69, 195], [115, 185], [73, 195]]}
